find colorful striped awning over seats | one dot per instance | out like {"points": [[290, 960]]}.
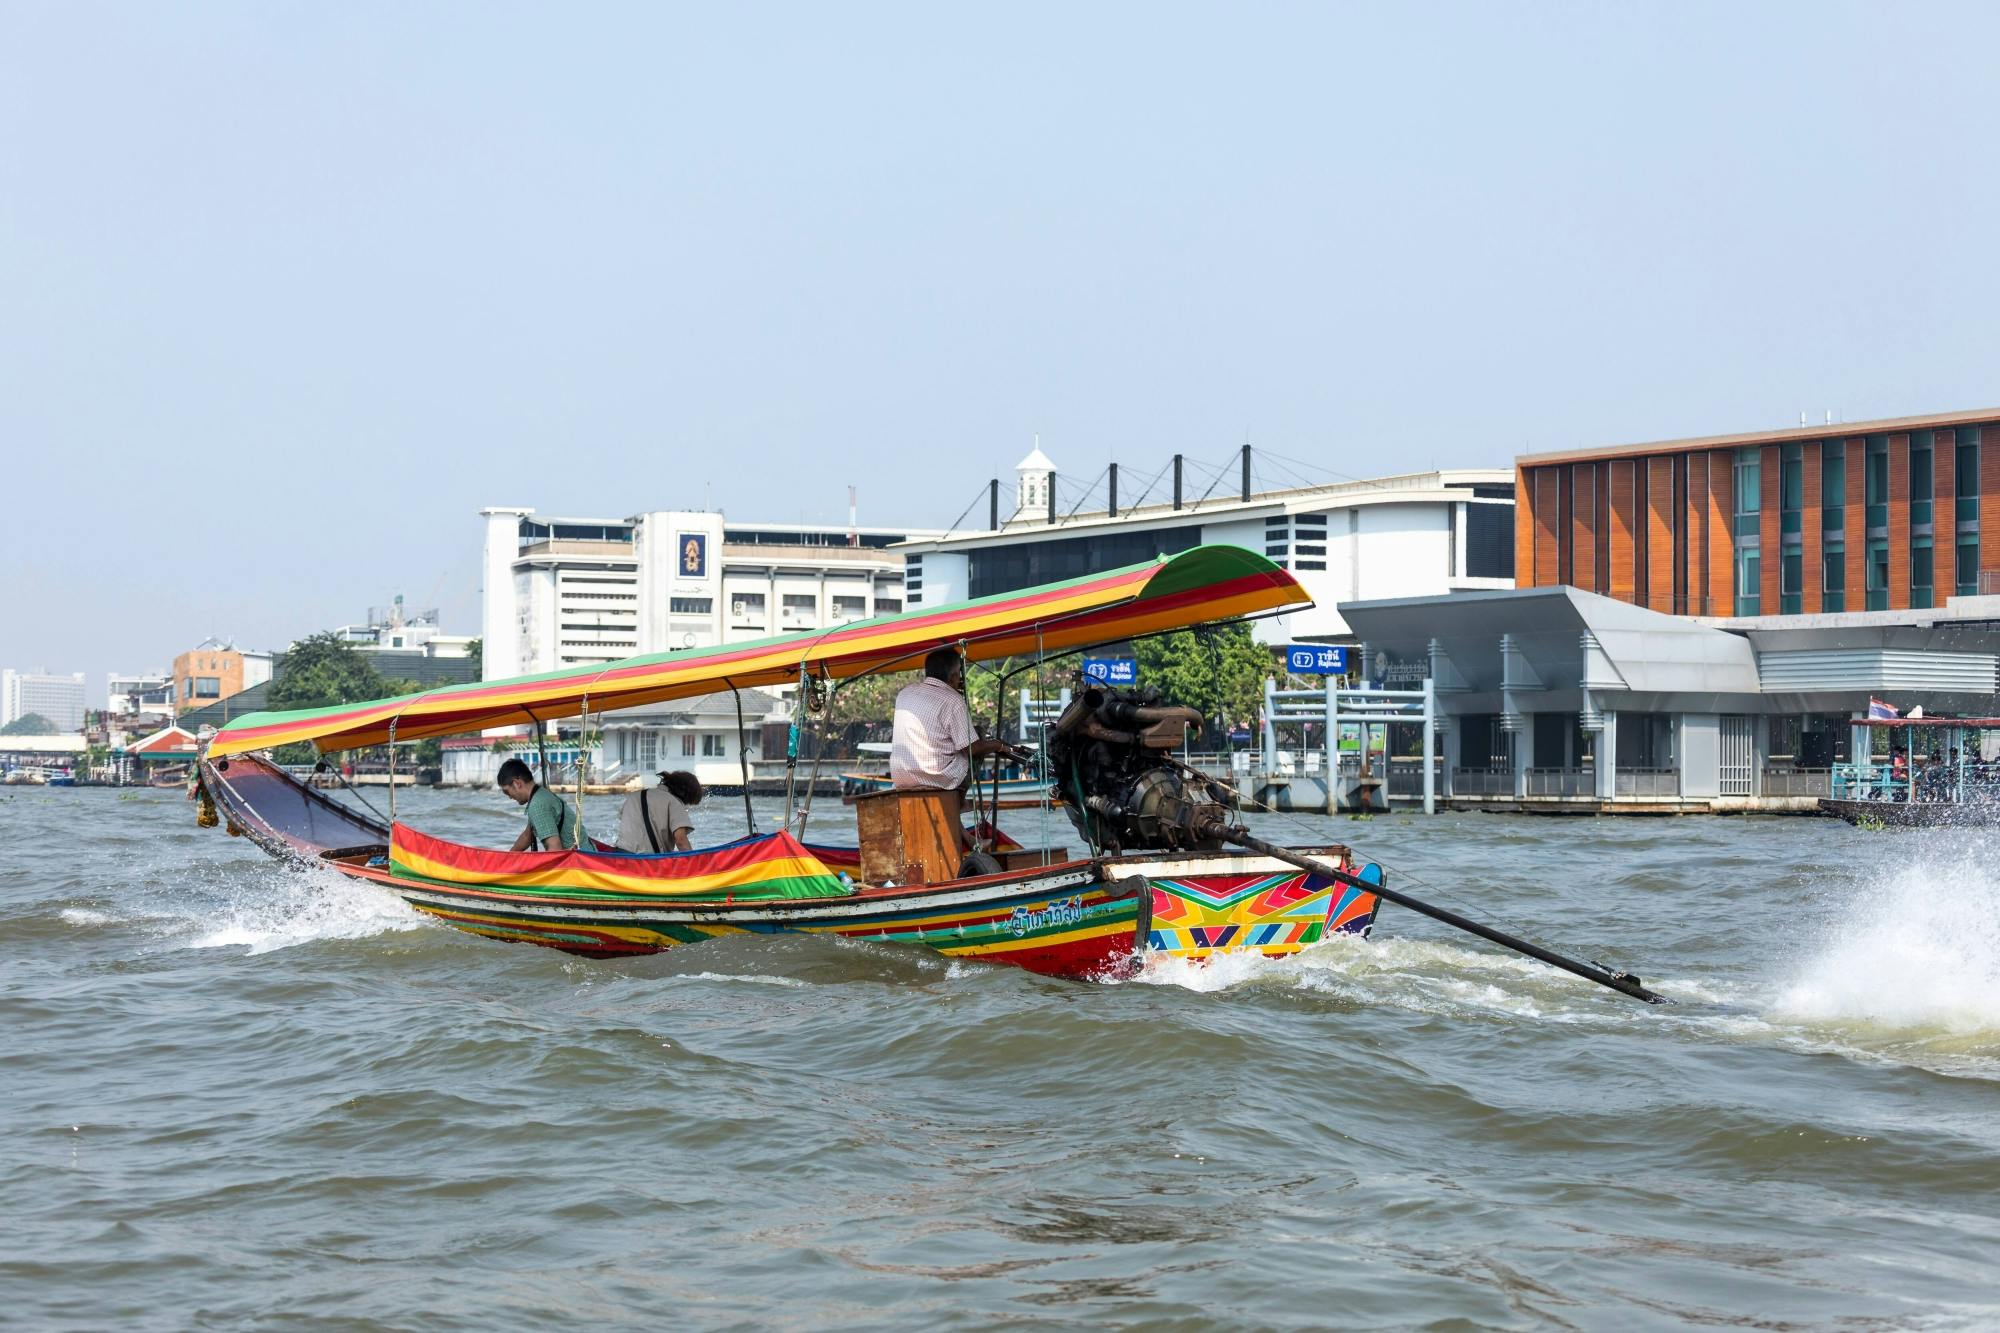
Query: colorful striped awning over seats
{"points": [[1205, 584]]}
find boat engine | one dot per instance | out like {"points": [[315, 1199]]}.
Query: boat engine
{"points": [[1110, 757]]}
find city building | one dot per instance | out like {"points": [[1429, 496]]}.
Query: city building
{"points": [[1892, 515], [1702, 624], [1555, 698], [393, 628], [214, 671], [1405, 535], [139, 694], [565, 592], [57, 698]]}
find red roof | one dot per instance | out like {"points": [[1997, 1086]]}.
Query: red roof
{"points": [[169, 741]]}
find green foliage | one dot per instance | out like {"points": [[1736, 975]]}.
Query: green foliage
{"points": [[31, 724], [476, 652], [1220, 671], [322, 671]]}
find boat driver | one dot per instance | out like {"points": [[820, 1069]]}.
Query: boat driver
{"points": [[551, 824], [933, 746]]}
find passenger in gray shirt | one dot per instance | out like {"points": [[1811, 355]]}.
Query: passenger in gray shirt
{"points": [[655, 819]]}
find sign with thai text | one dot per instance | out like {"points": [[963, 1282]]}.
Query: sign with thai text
{"points": [[1112, 670], [1316, 659]]}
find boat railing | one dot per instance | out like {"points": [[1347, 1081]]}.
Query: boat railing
{"points": [[1789, 780]]}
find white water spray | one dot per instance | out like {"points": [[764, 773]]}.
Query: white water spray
{"points": [[1915, 949]]}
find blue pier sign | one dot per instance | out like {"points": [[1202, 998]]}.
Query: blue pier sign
{"points": [[1315, 659], [1112, 670]]}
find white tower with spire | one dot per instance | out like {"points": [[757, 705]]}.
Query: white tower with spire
{"points": [[1037, 482]]}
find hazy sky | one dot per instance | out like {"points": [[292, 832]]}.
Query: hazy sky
{"points": [[288, 292]]}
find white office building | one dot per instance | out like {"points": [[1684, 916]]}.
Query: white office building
{"points": [[398, 629], [566, 592], [139, 693], [1409, 535], [57, 698]]}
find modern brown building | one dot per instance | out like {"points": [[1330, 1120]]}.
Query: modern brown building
{"points": [[214, 671], [1863, 516]]}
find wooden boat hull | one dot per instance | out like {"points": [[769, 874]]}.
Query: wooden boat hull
{"points": [[1915, 814], [1065, 921], [1080, 919]]}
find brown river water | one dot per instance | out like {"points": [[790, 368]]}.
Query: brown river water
{"points": [[241, 1096]]}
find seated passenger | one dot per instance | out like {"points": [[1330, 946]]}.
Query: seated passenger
{"points": [[656, 820], [551, 824]]}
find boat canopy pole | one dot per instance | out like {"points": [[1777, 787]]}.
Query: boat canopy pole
{"points": [[582, 749], [743, 762], [392, 771], [541, 746], [792, 747], [1622, 982]]}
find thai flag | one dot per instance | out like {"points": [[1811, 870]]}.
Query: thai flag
{"points": [[1881, 712]]}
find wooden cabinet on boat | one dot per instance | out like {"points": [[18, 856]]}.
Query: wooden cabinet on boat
{"points": [[907, 837]]}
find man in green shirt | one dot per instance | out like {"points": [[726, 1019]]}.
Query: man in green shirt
{"points": [[551, 824]]}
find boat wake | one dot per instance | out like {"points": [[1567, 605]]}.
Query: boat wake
{"points": [[288, 909], [1913, 953]]}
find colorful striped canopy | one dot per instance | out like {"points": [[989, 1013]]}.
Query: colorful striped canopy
{"points": [[1206, 584]]}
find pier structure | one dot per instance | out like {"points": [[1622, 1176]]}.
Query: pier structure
{"points": [[1328, 780], [1555, 700]]}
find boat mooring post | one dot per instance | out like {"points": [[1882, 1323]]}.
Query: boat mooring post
{"points": [[1430, 747], [1332, 723]]}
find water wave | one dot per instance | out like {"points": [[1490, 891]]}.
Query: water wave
{"points": [[290, 909], [1914, 950]]}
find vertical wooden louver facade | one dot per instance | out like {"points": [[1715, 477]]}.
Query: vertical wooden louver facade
{"points": [[1664, 525]]}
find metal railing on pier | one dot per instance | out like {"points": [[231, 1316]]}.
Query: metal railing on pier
{"points": [[1783, 780], [1646, 782]]}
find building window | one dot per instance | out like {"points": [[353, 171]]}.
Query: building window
{"points": [[1833, 579], [1921, 483], [1791, 575], [1275, 549], [1967, 575], [1832, 485], [687, 743], [1878, 576], [747, 604], [1966, 479], [1025, 564], [1749, 491], [1920, 573], [1791, 486], [1748, 581], [1877, 493], [1489, 541], [691, 606], [800, 608], [711, 745], [1310, 564], [208, 687], [850, 608], [887, 606]]}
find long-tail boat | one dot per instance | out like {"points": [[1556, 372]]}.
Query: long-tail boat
{"points": [[1156, 877]]}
